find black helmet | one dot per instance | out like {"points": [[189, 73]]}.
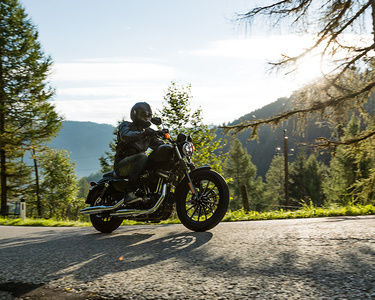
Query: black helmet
{"points": [[141, 114]]}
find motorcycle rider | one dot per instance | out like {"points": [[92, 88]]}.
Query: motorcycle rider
{"points": [[133, 139]]}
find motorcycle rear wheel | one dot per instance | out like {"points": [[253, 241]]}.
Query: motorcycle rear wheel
{"points": [[103, 222], [204, 211]]}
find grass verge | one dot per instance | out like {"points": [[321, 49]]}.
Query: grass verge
{"points": [[41, 222], [231, 216], [305, 212]]}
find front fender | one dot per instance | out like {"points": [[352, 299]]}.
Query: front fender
{"points": [[184, 181], [199, 169]]}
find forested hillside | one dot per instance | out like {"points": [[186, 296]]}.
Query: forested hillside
{"points": [[86, 142], [263, 149]]}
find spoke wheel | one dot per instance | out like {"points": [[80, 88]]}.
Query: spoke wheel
{"points": [[205, 209], [202, 206], [104, 222]]}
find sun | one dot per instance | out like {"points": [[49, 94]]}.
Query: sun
{"points": [[308, 69]]}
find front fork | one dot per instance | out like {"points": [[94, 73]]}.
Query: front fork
{"points": [[186, 169]]}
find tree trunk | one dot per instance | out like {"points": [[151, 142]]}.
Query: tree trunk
{"points": [[68, 212], [3, 175], [76, 214], [3, 179], [37, 190], [245, 199]]}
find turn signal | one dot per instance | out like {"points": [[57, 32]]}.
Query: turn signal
{"points": [[167, 135]]}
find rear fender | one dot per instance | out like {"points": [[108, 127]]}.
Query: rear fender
{"points": [[91, 196]]}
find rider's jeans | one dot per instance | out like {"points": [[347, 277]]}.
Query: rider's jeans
{"points": [[131, 167]]}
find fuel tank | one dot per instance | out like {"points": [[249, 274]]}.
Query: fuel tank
{"points": [[163, 153], [162, 157]]}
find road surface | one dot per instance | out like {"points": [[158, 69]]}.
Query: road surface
{"points": [[323, 258]]}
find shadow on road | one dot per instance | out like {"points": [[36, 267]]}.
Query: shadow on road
{"points": [[321, 263], [52, 255]]}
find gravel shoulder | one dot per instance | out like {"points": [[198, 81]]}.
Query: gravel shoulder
{"points": [[322, 258]]}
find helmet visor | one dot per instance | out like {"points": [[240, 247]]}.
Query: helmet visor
{"points": [[144, 115]]}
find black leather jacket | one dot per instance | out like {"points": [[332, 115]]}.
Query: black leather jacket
{"points": [[132, 140]]}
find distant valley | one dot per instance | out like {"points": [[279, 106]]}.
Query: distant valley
{"points": [[86, 142]]}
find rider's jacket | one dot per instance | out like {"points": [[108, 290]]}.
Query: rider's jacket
{"points": [[132, 139]]}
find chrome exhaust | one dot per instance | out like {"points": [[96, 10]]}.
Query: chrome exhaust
{"points": [[100, 208], [137, 212]]}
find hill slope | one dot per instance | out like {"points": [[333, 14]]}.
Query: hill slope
{"points": [[263, 149], [86, 142]]}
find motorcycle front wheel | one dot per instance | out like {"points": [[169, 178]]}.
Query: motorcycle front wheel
{"points": [[103, 222], [207, 208]]}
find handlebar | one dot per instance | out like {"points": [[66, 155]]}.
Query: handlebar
{"points": [[163, 133]]}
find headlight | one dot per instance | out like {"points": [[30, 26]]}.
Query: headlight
{"points": [[188, 149]]}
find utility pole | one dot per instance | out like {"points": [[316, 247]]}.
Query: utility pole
{"points": [[286, 171]]}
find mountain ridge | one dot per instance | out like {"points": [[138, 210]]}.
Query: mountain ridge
{"points": [[86, 142]]}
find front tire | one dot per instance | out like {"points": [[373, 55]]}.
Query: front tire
{"points": [[205, 211], [103, 222]]}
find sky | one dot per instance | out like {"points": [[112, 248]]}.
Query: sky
{"points": [[108, 55]]}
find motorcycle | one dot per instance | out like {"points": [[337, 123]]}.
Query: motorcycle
{"points": [[200, 195]]}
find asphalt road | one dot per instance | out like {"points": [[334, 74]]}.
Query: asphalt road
{"points": [[324, 258]]}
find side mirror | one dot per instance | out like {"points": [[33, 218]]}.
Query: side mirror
{"points": [[156, 121], [181, 138]]}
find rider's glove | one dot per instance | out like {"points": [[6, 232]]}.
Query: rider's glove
{"points": [[149, 132]]}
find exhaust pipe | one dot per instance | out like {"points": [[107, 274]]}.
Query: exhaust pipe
{"points": [[137, 212], [100, 208]]}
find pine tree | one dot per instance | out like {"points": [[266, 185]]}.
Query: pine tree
{"points": [[178, 117], [316, 174], [59, 184], [274, 193], [351, 166], [363, 190], [297, 180], [306, 179], [107, 159], [242, 171], [26, 116], [19, 179]]}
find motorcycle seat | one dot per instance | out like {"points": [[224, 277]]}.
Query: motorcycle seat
{"points": [[110, 174]]}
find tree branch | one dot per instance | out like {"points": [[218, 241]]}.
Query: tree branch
{"points": [[317, 106], [327, 143]]}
